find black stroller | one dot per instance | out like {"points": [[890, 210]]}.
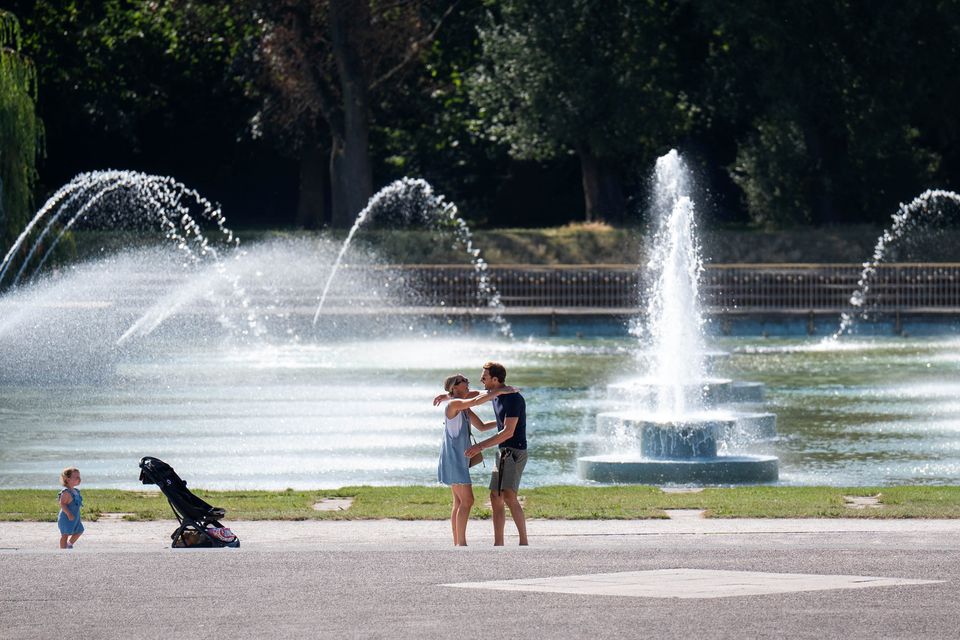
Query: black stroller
{"points": [[199, 522]]}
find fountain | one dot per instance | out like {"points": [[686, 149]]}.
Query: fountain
{"points": [[147, 350], [108, 199], [922, 213], [414, 199], [196, 284], [673, 431], [97, 313]]}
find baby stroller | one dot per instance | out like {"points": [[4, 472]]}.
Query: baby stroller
{"points": [[199, 522]]}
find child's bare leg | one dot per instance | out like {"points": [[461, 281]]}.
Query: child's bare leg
{"points": [[74, 537], [63, 541]]}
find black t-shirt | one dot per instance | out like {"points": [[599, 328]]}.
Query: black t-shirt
{"points": [[512, 405]]}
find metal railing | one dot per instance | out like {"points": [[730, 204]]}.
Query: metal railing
{"points": [[725, 288]]}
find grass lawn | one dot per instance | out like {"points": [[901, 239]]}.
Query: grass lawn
{"points": [[556, 502]]}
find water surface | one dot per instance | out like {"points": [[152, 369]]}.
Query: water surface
{"points": [[874, 411]]}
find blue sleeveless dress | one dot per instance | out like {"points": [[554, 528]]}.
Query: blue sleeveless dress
{"points": [[454, 467], [67, 526]]}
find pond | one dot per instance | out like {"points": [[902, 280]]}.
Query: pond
{"points": [[272, 415]]}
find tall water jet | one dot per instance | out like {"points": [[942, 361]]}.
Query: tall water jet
{"points": [[674, 335], [414, 200], [668, 434], [919, 215]]}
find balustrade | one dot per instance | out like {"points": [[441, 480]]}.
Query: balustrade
{"points": [[743, 288]]}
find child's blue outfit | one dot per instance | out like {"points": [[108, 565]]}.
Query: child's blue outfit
{"points": [[67, 526]]}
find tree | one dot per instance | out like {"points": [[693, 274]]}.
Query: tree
{"points": [[600, 80], [153, 86], [324, 62], [20, 132], [826, 103]]}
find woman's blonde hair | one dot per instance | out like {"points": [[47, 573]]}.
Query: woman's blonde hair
{"points": [[451, 381], [67, 473]]}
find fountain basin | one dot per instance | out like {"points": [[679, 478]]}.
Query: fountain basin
{"points": [[747, 391], [686, 436], [708, 355], [681, 450], [671, 441], [715, 470], [753, 426], [708, 392]]}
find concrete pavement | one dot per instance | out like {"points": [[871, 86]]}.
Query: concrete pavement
{"points": [[392, 579], [325, 535]]}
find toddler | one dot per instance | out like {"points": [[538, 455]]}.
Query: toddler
{"points": [[70, 503]]}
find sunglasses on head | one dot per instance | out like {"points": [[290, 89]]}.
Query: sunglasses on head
{"points": [[460, 381]]}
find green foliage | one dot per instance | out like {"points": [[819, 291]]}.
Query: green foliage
{"points": [[557, 76], [21, 132], [814, 111], [142, 85], [773, 169], [829, 103], [125, 60], [422, 127], [574, 244], [605, 81]]}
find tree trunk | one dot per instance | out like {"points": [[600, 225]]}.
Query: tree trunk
{"points": [[821, 209], [351, 177], [350, 167], [312, 202], [602, 189]]}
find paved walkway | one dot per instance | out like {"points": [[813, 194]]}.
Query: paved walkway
{"points": [[682, 528], [679, 578]]}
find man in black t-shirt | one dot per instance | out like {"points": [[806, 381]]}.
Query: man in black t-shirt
{"points": [[511, 424]]}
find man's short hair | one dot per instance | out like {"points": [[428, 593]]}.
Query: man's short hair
{"points": [[496, 370]]}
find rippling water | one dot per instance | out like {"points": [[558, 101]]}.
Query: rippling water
{"points": [[868, 412]]}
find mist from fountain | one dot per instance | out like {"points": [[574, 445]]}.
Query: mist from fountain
{"points": [[116, 200], [196, 286], [924, 213], [412, 200], [85, 320]]}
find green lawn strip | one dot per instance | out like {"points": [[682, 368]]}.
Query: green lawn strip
{"points": [[553, 502], [775, 502], [595, 503], [41, 504], [822, 502], [919, 502], [401, 503]]}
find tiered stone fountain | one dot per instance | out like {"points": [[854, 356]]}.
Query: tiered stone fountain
{"points": [[676, 429]]}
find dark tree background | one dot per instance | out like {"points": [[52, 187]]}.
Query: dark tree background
{"points": [[292, 112]]}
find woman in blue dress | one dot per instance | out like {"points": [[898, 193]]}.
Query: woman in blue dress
{"points": [[70, 502], [454, 469]]}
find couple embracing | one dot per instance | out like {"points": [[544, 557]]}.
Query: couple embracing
{"points": [[456, 451]]}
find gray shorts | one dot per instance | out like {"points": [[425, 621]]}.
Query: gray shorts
{"points": [[513, 461]]}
